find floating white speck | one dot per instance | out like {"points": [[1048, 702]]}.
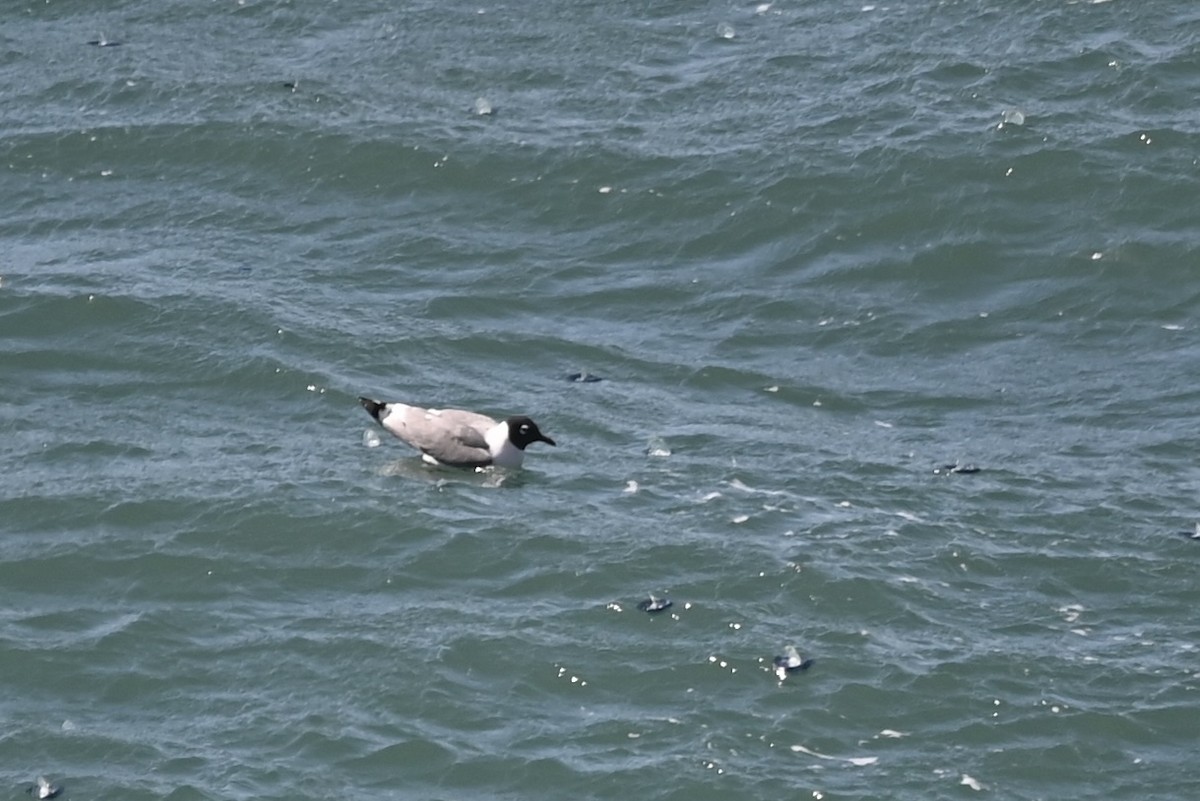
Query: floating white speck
{"points": [[482, 107], [1013, 116], [740, 519], [726, 31], [892, 733], [562, 673], [771, 389], [106, 173], [604, 190], [631, 487], [1172, 327], [371, 438], [971, 781], [762, 8], [1097, 256], [882, 424]]}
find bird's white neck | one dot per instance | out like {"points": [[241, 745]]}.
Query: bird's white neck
{"points": [[504, 453]]}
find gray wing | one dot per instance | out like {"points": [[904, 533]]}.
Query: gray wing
{"points": [[464, 447], [451, 436]]}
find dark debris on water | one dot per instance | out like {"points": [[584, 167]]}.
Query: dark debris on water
{"points": [[43, 789], [956, 467], [654, 605], [1194, 534], [790, 662]]}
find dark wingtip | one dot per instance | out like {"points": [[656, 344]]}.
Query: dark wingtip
{"points": [[374, 408]]}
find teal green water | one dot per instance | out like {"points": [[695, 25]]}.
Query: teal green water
{"points": [[814, 265]]}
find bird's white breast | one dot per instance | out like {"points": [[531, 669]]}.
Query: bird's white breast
{"points": [[504, 453]]}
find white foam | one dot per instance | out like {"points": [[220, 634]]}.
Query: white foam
{"points": [[856, 761]]}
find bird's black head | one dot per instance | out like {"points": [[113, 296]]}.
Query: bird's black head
{"points": [[522, 431]]}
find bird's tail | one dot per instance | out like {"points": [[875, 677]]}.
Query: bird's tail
{"points": [[374, 408]]}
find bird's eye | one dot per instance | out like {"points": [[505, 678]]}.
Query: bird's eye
{"points": [[524, 428]]}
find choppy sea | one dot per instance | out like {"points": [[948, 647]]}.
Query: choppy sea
{"points": [[895, 311]]}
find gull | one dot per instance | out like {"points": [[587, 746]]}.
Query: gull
{"points": [[458, 438]]}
